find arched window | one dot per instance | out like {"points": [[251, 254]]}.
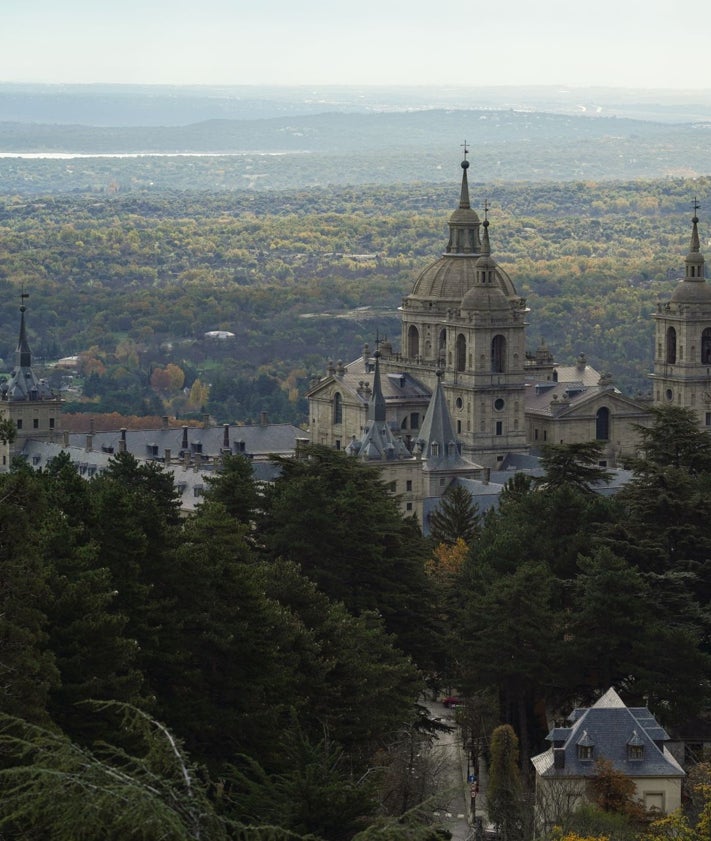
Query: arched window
{"points": [[671, 345], [442, 348], [461, 360], [413, 342], [498, 355], [337, 408], [602, 424], [706, 347]]}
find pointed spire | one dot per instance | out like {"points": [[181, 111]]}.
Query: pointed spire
{"points": [[378, 441], [464, 223], [438, 440], [376, 407], [695, 259], [464, 195], [485, 244], [695, 246], [23, 354], [22, 383]]}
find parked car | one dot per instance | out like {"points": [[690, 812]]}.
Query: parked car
{"points": [[452, 701]]}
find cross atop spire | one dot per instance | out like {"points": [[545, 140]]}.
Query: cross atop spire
{"points": [[695, 244], [466, 149]]}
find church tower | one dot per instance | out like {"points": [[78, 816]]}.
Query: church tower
{"points": [[464, 318], [28, 402], [682, 357]]}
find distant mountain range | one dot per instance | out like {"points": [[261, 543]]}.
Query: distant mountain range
{"points": [[262, 138], [147, 105]]}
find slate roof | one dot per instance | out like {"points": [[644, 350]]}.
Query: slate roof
{"points": [[570, 397], [395, 387], [23, 384], [437, 440], [257, 441], [610, 728]]}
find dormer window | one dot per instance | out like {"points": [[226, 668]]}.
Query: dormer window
{"points": [[586, 748], [635, 748]]}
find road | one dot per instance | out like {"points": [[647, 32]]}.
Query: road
{"points": [[456, 814]]}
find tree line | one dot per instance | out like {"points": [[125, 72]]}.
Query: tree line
{"points": [[131, 283], [258, 667]]}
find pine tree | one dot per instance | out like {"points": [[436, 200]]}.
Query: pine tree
{"points": [[456, 517]]}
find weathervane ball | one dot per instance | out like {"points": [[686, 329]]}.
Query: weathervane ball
{"points": [[465, 164]]}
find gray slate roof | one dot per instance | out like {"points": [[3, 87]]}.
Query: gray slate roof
{"points": [[609, 727]]}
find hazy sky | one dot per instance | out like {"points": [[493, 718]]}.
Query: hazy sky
{"points": [[634, 43]]}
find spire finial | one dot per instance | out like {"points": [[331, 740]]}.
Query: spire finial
{"points": [[485, 244], [695, 244], [464, 197]]}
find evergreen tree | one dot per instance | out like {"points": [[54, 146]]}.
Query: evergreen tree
{"points": [[573, 464], [504, 797], [27, 666], [234, 487], [95, 658], [456, 517], [334, 516]]}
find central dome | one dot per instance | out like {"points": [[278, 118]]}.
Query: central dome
{"points": [[447, 279]]}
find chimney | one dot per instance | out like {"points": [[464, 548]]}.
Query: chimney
{"points": [[263, 419], [65, 438], [89, 442], [184, 445], [122, 442], [167, 456], [225, 436], [486, 476], [206, 421], [165, 421], [91, 426]]}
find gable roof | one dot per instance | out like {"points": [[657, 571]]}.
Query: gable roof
{"points": [[609, 728]]}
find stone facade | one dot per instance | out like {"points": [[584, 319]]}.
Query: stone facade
{"points": [[682, 341]]}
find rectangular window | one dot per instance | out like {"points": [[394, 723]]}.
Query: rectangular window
{"points": [[408, 485], [499, 427], [35, 423], [545, 435], [535, 435], [409, 506], [19, 423], [51, 423], [708, 418]]}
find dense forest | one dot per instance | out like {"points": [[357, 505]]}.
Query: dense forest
{"points": [[225, 676], [131, 283]]}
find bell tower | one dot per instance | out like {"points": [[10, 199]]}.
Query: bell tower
{"points": [[682, 352], [465, 319]]}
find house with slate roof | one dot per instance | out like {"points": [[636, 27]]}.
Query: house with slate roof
{"points": [[629, 737]]}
